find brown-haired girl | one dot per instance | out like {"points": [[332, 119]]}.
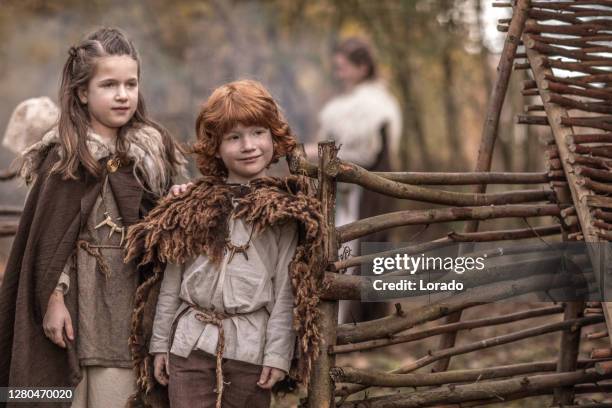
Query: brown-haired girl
{"points": [[240, 278], [67, 295]]}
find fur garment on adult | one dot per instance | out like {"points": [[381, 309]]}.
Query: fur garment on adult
{"points": [[197, 223]]}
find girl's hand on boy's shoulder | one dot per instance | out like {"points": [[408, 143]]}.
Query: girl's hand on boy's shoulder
{"points": [[160, 368], [57, 320], [178, 189], [270, 376]]}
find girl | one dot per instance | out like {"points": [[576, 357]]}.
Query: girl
{"points": [[67, 295], [223, 332]]}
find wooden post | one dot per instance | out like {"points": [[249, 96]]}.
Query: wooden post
{"points": [[568, 352], [487, 141], [321, 386]]}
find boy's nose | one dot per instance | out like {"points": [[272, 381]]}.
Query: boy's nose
{"points": [[247, 143]]}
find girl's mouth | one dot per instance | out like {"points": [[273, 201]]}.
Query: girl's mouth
{"points": [[121, 109]]}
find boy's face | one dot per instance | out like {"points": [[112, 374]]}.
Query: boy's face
{"points": [[246, 152]]}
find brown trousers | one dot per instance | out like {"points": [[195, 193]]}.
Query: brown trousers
{"points": [[193, 382]]}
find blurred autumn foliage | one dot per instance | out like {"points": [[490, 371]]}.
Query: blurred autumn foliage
{"points": [[431, 52]]}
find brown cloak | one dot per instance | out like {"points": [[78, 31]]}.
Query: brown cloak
{"points": [[197, 223], [54, 213]]}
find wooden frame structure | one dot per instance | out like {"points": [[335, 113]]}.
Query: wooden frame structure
{"points": [[565, 50]]}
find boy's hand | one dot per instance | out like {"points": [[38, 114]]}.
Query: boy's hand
{"points": [[270, 376], [160, 368], [178, 189], [57, 320]]}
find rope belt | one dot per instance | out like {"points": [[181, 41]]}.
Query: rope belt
{"points": [[214, 318], [94, 250]]}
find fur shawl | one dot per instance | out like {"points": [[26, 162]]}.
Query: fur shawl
{"points": [[146, 150], [197, 223]]}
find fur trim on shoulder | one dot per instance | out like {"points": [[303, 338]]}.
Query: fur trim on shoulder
{"points": [[146, 149]]}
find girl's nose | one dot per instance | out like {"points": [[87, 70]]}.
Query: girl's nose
{"points": [[121, 93]]}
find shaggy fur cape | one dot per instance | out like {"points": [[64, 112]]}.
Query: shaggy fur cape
{"points": [[197, 223]]}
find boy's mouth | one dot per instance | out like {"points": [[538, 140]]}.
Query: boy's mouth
{"points": [[250, 159]]}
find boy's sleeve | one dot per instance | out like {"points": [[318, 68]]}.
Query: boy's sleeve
{"points": [[280, 336], [167, 304]]}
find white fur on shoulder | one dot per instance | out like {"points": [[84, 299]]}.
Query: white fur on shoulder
{"points": [[146, 149]]}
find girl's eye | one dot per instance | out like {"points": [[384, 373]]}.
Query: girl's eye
{"points": [[260, 132]]}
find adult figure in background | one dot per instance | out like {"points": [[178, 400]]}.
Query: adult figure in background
{"points": [[366, 120]]}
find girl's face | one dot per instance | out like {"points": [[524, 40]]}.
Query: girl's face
{"points": [[112, 94], [246, 152]]}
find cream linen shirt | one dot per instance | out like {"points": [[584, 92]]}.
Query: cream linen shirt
{"points": [[258, 291]]}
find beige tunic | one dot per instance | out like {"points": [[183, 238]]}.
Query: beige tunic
{"points": [[258, 291], [105, 303]]}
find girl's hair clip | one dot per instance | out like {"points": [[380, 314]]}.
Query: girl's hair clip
{"points": [[72, 51]]}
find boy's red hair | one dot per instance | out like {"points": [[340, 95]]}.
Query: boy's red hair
{"points": [[244, 102]]}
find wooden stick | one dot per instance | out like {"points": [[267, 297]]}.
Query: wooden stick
{"points": [[565, 5], [352, 173], [386, 326], [467, 178], [582, 29], [6, 210], [8, 228], [572, 66], [490, 342], [599, 107], [595, 186], [548, 49], [606, 216], [412, 249], [597, 162], [373, 378], [601, 353], [563, 89], [596, 174], [589, 138], [574, 324], [547, 15], [370, 225], [530, 385], [567, 360], [504, 235], [599, 201], [320, 387], [465, 325], [531, 120], [599, 151], [597, 335], [576, 42]]}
